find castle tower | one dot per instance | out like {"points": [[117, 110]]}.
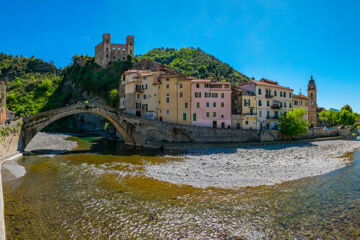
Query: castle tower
{"points": [[130, 45], [312, 95], [106, 48]]}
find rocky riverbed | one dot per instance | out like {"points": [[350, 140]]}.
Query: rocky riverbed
{"points": [[51, 143], [254, 166]]}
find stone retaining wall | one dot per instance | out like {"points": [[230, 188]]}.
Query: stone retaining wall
{"points": [[10, 141]]}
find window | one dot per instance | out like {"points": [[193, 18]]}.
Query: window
{"points": [[246, 102], [260, 114], [144, 78], [181, 85], [167, 85], [246, 122], [275, 93], [137, 96], [268, 92], [222, 104], [284, 104], [238, 125], [198, 94], [144, 97], [207, 95], [145, 86], [222, 116], [289, 95], [280, 94], [260, 104], [181, 94], [214, 104], [186, 105], [207, 114], [168, 112], [168, 98], [184, 116], [214, 114], [167, 79], [207, 104], [197, 85], [268, 114], [284, 94], [194, 116], [227, 86], [207, 85], [251, 111], [222, 95], [259, 91], [268, 103], [296, 102], [214, 95], [301, 103], [290, 105], [198, 105], [222, 125]]}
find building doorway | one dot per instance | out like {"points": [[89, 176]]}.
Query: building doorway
{"points": [[214, 124], [222, 125]]}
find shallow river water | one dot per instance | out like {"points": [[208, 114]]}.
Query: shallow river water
{"points": [[100, 191]]}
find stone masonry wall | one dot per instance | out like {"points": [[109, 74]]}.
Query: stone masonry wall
{"points": [[10, 138]]}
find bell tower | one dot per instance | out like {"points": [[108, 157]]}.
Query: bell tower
{"points": [[312, 95]]}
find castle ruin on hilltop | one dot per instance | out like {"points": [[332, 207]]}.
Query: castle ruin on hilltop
{"points": [[106, 52]]}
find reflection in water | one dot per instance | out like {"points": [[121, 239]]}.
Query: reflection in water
{"points": [[103, 194]]}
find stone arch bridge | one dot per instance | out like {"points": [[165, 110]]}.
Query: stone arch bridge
{"points": [[136, 131]]}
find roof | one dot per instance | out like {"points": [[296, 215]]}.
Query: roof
{"points": [[200, 80], [300, 96], [269, 83], [136, 71]]}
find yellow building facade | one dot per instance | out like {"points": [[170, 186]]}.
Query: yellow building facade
{"points": [[174, 99], [301, 101]]}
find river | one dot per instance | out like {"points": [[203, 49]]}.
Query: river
{"points": [[100, 191]]}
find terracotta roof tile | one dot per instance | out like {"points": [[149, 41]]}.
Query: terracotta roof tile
{"points": [[263, 83]]}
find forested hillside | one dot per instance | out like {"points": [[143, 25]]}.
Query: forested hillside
{"points": [[30, 82], [196, 63]]}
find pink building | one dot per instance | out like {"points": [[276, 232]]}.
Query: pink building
{"points": [[210, 103]]}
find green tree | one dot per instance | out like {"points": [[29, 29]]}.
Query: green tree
{"points": [[114, 97], [329, 118], [292, 123], [346, 118], [347, 107]]}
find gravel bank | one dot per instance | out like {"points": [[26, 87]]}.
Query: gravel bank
{"points": [[254, 166], [51, 143]]}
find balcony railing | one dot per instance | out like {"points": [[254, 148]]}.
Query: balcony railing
{"points": [[275, 106], [250, 114], [139, 89], [272, 117], [268, 96]]}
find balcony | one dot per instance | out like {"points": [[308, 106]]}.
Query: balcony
{"points": [[139, 89], [275, 106], [272, 117], [268, 96], [249, 114]]}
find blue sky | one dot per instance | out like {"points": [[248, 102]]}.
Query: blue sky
{"points": [[286, 41]]}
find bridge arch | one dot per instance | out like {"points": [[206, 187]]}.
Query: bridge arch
{"points": [[35, 123]]}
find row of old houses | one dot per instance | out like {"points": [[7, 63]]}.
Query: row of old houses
{"points": [[179, 99]]}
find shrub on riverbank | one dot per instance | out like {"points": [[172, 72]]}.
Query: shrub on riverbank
{"points": [[292, 124]]}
